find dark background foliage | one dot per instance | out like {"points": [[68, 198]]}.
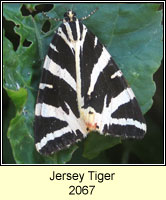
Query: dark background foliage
{"points": [[146, 151]]}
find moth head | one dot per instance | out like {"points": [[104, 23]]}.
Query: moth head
{"points": [[69, 16]]}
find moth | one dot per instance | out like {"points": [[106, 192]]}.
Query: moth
{"points": [[82, 90]]}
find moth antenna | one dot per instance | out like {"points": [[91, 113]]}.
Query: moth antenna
{"points": [[51, 18], [72, 7], [91, 13]]}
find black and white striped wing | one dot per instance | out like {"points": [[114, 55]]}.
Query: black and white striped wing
{"points": [[109, 104], [57, 121], [82, 90]]}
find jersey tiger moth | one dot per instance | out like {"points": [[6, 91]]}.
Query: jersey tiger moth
{"points": [[82, 90]]}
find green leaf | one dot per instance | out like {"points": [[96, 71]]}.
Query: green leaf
{"points": [[8, 114], [96, 143], [18, 97], [62, 156], [133, 36]]}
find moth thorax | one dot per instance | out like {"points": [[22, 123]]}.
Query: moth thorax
{"points": [[69, 16], [88, 115]]}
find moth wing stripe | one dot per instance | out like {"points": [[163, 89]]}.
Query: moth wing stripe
{"points": [[98, 68], [74, 122], [78, 48], [45, 110], [124, 97], [69, 31], [63, 36], [78, 30], [56, 70], [84, 32], [78, 75], [116, 74], [95, 42], [38, 109], [52, 136], [53, 47], [44, 85], [128, 121]]}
